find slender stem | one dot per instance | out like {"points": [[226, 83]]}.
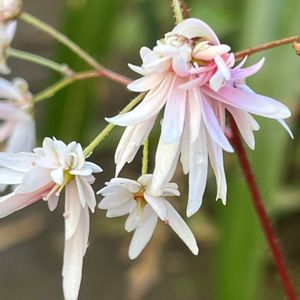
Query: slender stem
{"points": [[73, 47], [250, 51], [50, 91], [177, 11], [145, 157], [45, 62], [261, 212], [106, 131]]}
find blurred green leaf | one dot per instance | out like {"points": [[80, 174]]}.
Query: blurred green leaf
{"points": [[90, 24]]}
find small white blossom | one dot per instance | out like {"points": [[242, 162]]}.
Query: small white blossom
{"points": [[124, 196], [42, 175]]}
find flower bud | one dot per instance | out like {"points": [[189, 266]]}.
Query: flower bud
{"points": [[10, 9]]}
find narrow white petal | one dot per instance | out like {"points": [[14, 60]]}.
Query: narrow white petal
{"points": [[286, 127], [58, 175], [157, 204], [146, 83], [73, 209], [121, 210], [174, 115], [21, 162], [148, 108], [143, 233], [114, 200], [8, 176], [165, 164], [175, 221], [86, 193], [133, 220], [198, 172], [74, 251], [52, 202]]}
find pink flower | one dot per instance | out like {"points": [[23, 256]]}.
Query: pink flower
{"points": [[124, 196], [42, 175], [193, 75]]}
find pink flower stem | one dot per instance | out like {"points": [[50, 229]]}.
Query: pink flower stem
{"points": [[261, 212]]}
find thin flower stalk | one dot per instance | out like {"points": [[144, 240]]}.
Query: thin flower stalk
{"points": [[261, 212], [52, 90], [45, 62], [177, 11], [250, 51], [145, 157], [73, 47]]}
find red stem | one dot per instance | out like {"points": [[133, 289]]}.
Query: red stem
{"points": [[261, 212]]}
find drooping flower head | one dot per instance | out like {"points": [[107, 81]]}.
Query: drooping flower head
{"points": [[18, 127], [193, 75], [123, 196], [42, 175]]}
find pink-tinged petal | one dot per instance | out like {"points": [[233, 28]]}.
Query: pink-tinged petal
{"points": [[173, 122], [286, 127], [192, 28], [216, 160], [159, 65], [146, 83], [21, 162], [16, 201], [250, 102], [143, 233], [179, 226], [189, 84], [213, 126], [23, 136], [242, 121], [198, 172], [185, 148], [130, 142], [180, 66], [74, 251], [8, 176], [148, 108], [157, 204], [145, 51], [52, 202], [165, 164], [8, 110], [10, 29], [6, 129], [253, 123], [238, 73], [73, 210], [86, 193]]}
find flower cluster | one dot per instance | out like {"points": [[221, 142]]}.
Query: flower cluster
{"points": [[189, 73], [193, 75]]}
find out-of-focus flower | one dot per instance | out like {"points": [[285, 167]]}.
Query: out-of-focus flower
{"points": [[124, 196], [10, 9], [42, 175], [7, 32], [18, 126], [193, 76]]}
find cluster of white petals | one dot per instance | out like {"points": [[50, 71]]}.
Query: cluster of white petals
{"points": [[42, 174], [124, 196], [193, 75]]}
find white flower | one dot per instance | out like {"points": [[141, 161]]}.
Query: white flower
{"points": [[18, 126], [7, 32], [124, 196], [192, 75], [42, 175]]}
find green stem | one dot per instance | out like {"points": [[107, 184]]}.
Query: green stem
{"points": [[106, 131], [50, 91], [45, 62], [177, 11], [73, 47], [145, 157]]}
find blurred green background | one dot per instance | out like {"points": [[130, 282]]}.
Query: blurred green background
{"points": [[234, 262]]}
